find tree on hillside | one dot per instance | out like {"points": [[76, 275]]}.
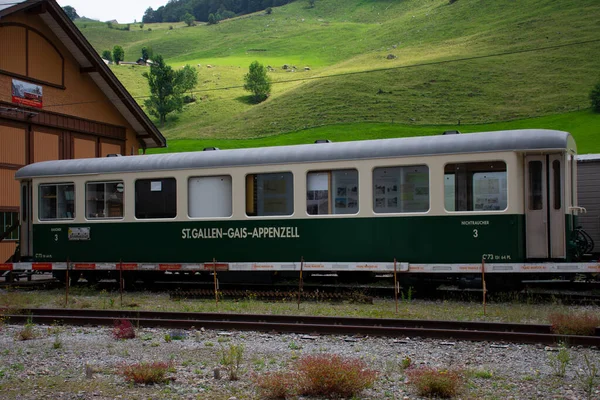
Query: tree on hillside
{"points": [[71, 13], [595, 98], [188, 19], [118, 54], [258, 82], [167, 88], [147, 53], [212, 19], [107, 55]]}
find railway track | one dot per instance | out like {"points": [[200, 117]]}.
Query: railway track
{"points": [[398, 328]]}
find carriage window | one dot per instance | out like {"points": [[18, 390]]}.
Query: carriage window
{"points": [[270, 194], [536, 201], [156, 198], [479, 186], [557, 186], [104, 200], [332, 192], [8, 219], [209, 196], [57, 201], [401, 189]]}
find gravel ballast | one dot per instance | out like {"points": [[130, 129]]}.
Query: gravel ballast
{"points": [[84, 363]]}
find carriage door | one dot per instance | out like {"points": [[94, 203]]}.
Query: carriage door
{"points": [[26, 218], [544, 206]]}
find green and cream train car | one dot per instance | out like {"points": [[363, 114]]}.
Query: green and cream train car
{"points": [[428, 206]]}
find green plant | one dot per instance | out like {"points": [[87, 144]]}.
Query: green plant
{"points": [[574, 323], [231, 359], [123, 329], [332, 375], [595, 98], [275, 385], [57, 344], [587, 376], [406, 362], [294, 346], [481, 374], [408, 297], [258, 82], [434, 382], [168, 338], [178, 335], [28, 332], [146, 372], [560, 361]]}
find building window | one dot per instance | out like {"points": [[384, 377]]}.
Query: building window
{"points": [[57, 201], [332, 192], [270, 194], [7, 219], [104, 200], [478, 186], [156, 198], [401, 189], [209, 196]]}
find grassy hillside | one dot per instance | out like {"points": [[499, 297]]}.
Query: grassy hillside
{"points": [[345, 42]]}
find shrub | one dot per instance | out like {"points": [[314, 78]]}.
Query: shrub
{"points": [[560, 361], [123, 329], [275, 385], [433, 382], [574, 324], [231, 359], [595, 98], [146, 373], [27, 333], [332, 375]]}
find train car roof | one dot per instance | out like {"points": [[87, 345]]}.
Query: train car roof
{"points": [[513, 140]]}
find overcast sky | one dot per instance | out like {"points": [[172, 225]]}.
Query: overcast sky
{"points": [[106, 10]]}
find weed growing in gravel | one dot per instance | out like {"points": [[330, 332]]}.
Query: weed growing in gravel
{"points": [[406, 362], [275, 385], [231, 360], [587, 376], [178, 335], [481, 374], [294, 346], [560, 361], [146, 372], [434, 382], [574, 323], [168, 338], [123, 329], [332, 375], [57, 344], [28, 332]]}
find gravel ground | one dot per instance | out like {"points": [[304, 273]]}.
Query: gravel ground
{"points": [[53, 364]]}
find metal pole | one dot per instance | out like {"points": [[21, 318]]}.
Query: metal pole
{"points": [[67, 284], [396, 287], [215, 279], [483, 283], [300, 281], [121, 280]]}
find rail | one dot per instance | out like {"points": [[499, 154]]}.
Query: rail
{"points": [[400, 328]]}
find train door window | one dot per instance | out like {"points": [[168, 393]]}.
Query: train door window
{"points": [[209, 196], [104, 200], [57, 201], [535, 185], [156, 198], [401, 189], [332, 192], [557, 184], [8, 219], [476, 186], [270, 194]]}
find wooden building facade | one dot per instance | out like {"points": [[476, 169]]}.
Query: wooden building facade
{"points": [[58, 100]]}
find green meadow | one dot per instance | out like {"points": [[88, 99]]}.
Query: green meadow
{"points": [[377, 68]]}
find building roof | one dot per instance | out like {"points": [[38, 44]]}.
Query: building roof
{"points": [[517, 140], [90, 62], [588, 157]]}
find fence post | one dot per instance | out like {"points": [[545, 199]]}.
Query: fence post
{"points": [[396, 286], [300, 282], [121, 280], [67, 284], [215, 279], [483, 283]]}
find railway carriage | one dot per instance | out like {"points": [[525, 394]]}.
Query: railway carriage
{"points": [[432, 207]]}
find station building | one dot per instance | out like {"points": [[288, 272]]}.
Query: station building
{"points": [[58, 100]]}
